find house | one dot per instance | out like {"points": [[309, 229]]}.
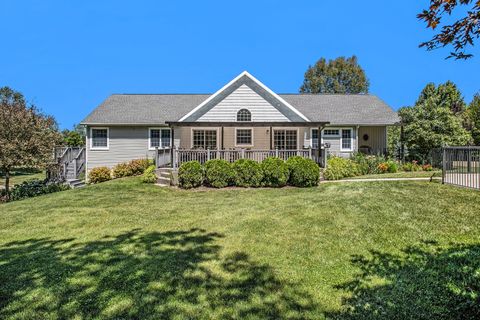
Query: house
{"points": [[243, 119]]}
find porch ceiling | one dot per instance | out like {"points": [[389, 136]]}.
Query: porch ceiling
{"points": [[245, 124]]}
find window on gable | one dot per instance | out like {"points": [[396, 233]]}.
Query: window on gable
{"points": [[244, 115], [160, 138], [204, 139], [99, 138]]}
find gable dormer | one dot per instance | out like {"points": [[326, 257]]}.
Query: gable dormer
{"points": [[244, 92]]}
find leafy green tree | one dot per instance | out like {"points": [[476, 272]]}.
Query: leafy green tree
{"points": [[428, 126], [342, 75], [74, 138], [445, 95], [461, 33], [27, 136], [474, 116]]}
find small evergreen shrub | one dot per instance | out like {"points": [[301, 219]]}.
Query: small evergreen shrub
{"points": [[275, 172], [99, 174], [303, 172], [149, 175], [219, 173], [34, 188], [190, 175], [248, 173], [339, 168]]}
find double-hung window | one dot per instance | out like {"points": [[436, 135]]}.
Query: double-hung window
{"points": [[159, 138], [99, 138], [346, 141], [314, 139], [285, 139], [204, 139], [244, 137]]}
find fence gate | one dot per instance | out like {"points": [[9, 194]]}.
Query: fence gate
{"points": [[461, 166]]}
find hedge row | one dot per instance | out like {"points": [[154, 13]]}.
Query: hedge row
{"points": [[125, 169], [32, 188], [272, 172]]}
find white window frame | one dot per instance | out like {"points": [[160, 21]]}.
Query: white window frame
{"points": [[150, 136], [311, 137], [91, 138], [351, 139], [331, 135], [244, 145], [236, 115], [204, 128]]}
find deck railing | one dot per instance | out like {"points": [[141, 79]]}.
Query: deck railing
{"points": [[175, 157]]}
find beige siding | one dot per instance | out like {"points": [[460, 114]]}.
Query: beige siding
{"points": [[125, 144], [377, 138], [243, 97]]}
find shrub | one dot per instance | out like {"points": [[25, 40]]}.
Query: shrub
{"points": [[303, 172], [248, 173], [275, 172], [35, 187], [149, 175], [427, 167], [368, 164], [411, 166], [99, 174], [219, 173], [382, 167], [339, 168], [121, 170], [190, 175], [138, 166], [132, 168], [392, 166]]}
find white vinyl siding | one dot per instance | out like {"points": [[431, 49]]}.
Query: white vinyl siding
{"points": [[243, 98]]}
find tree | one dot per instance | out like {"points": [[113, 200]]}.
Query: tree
{"points": [[342, 75], [445, 95], [75, 137], [474, 116], [460, 34], [428, 126], [27, 137]]}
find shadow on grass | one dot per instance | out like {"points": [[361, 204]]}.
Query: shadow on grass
{"points": [[424, 282], [177, 274]]}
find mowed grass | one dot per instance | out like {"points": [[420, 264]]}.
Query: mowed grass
{"points": [[123, 249], [402, 174]]}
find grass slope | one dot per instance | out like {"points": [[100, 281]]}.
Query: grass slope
{"points": [[122, 249], [20, 175]]}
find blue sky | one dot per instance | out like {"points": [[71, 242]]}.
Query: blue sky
{"points": [[66, 58]]}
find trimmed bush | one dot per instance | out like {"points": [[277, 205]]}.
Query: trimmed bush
{"points": [[99, 174], [303, 172], [339, 168], [121, 170], [219, 173], [248, 173], [34, 188], [190, 175], [275, 172], [149, 175]]}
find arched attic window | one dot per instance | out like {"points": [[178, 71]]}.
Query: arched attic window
{"points": [[244, 115]]}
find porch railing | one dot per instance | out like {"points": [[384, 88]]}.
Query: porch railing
{"points": [[175, 157], [71, 161]]}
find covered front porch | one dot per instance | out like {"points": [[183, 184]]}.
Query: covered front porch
{"points": [[230, 141]]}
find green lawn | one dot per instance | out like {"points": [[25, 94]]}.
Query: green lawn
{"points": [[122, 249], [20, 175], [402, 174]]}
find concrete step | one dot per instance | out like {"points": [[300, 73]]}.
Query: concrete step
{"points": [[76, 183], [163, 181]]}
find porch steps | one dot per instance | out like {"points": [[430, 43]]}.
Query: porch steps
{"points": [[164, 177], [75, 183]]}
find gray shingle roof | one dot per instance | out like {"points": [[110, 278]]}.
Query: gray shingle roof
{"points": [[148, 109]]}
